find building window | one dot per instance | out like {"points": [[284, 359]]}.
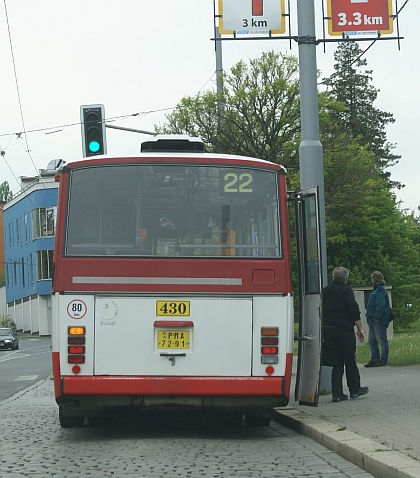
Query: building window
{"points": [[23, 272], [44, 264], [14, 272], [43, 222], [10, 234], [31, 268], [17, 232], [25, 220]]}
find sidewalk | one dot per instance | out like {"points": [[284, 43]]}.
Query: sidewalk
{"points": [[379, 432]]}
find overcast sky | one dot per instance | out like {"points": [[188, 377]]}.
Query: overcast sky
{"points": [[143, 56]]}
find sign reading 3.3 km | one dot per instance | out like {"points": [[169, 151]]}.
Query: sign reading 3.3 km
{"points": [[359, 16]]}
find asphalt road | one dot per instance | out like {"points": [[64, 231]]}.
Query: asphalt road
{"points": [[24, 367]]}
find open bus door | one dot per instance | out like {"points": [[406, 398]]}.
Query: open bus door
{"points": [[310, 289]]}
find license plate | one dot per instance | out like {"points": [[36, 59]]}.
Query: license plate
{"points": [[173, 308], [173, 339]]}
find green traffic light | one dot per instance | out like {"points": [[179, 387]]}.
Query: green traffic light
{"points": [[94, 146]]}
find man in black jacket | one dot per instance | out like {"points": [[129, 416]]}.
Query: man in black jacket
{"points": [[341, 313]]}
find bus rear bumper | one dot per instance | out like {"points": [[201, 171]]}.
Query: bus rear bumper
{"points": [[243, 394]]}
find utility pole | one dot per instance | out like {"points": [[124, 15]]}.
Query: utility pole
{"points": [[219, 65], [310, 149]]}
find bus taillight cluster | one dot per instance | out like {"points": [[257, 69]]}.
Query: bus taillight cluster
{"points": [[270, 345], [76, 346]]}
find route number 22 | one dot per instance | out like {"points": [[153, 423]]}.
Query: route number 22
{"points": [[235, 183]]}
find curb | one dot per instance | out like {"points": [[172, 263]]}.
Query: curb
{"points": [[371, 456], [25, 391]]}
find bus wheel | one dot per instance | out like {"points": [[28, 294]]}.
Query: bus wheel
{"points": [[100, 421], [69, 422], [258, 420]]}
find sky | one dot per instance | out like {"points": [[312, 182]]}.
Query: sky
{"points": [[141, 57]]}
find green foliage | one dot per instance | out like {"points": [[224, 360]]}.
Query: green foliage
{"points": [[5, 192], [352, 85], [366, 231], [259, 111], [7, 321], [257, 114]]}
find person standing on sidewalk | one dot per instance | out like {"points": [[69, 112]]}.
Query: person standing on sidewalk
{"points": [[340, 314], [377, 315]]}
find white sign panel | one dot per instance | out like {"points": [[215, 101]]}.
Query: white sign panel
{"points": [[251, 16]]}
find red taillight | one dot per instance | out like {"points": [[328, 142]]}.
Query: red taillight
{"points": [[76, 341], [269, 350], [269, 347], [76, 347], [76, 359], [269, 340]]}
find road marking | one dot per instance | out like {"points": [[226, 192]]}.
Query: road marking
{"points": [[26, 377]]}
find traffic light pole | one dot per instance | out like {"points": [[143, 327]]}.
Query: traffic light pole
{"points": [[310, 149]]}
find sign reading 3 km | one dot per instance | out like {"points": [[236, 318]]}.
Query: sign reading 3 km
{"points": [[359, 16], [251, 16]]}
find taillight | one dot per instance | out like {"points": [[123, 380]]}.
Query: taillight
{"points": [[269, 346], [76, 340]]}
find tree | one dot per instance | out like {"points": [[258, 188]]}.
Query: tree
{"points": [[5, 192], [365, 229], [351, 84], [260, 113]]}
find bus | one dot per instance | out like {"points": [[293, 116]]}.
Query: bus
{"points": [[172, 285]]}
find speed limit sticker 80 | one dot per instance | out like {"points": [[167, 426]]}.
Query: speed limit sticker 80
{"points": [[76, 309]]}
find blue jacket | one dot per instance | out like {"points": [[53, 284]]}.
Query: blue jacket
{"points": [[378, 305]]}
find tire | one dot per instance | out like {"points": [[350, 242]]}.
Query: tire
{"points": [[69, 422], [257, 420]]}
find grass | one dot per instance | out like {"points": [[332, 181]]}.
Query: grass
{"points": [[404, 348]]}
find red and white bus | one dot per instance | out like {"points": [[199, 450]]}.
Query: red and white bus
{"points": [[172, 285]]}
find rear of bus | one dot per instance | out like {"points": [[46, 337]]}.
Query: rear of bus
{"points": [[172, 287]]}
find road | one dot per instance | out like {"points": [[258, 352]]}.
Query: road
{"points": [[165, 446], [24, 367]]}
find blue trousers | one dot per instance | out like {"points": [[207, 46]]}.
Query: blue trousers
{"points": [[377, 337]]}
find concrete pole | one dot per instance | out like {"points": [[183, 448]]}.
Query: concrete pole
{"points": [[310, 149], [219, 64]]}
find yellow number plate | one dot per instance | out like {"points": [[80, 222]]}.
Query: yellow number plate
{"points": [[172, 308], [173, 339]]}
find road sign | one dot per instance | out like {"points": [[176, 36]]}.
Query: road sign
{"points": [[251, 16], [359, 16]]}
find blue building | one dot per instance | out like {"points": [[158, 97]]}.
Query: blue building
{"points": [[29, 220]]}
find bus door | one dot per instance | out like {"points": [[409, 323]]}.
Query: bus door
{"points": [[310, 289]]}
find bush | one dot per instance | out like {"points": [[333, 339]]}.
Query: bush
{"points": [[7, 321]]}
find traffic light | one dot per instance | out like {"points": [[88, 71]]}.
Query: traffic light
{"points": [[93, 130]]}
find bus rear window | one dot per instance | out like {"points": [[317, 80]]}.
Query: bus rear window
{"points": [[173, 210]]}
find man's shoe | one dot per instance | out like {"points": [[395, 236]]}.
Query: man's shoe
{"points": [[380, 363], [339, 399], [362, 391], [369, 364]]}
